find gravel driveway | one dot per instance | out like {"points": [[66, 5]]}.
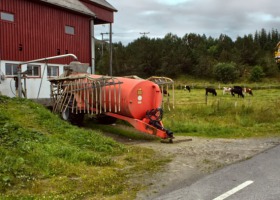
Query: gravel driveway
{"points": [[194, 157]]}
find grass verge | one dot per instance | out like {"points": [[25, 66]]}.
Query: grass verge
{"points": [[43, 157]]}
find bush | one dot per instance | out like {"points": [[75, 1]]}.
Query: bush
{"points": [[256, 74], [226, 72]]}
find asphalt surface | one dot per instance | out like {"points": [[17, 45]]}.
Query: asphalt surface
{"points": [[257, 178]]}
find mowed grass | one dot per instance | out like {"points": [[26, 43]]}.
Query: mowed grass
{"points": [[224, 116]]}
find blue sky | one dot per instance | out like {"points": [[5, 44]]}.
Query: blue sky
{"points": [[210, 17]]}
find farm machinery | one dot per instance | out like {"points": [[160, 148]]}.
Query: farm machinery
{"points": [[135, 100]]}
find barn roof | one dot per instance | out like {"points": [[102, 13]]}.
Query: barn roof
{"points": [[77, 6], [104, 3], [74, 5]]}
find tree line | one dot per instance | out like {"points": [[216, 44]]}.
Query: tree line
{"points": [[248, 58]]}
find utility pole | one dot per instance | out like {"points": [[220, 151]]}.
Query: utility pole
{"points": [[102, 42], [111, 51], [144, 33]]}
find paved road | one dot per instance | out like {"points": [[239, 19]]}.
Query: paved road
{"points": [[255, 179]]}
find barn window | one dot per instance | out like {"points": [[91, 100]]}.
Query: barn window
{"points": [[11, 69], [70, 30], [33, 70], [7, 16], [53, 70]]}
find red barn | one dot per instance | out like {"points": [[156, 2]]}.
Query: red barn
{"points": [[33, 29]]}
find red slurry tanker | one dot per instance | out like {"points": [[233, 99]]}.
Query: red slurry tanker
{"points": [[134, 100]]}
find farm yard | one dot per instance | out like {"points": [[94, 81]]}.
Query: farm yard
{"points": [[87, 151], [211, 133]]}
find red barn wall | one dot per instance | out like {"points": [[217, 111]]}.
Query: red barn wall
{"points": [[40, 29]]}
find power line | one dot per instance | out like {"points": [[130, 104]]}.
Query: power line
{"points": [[144, 33]]}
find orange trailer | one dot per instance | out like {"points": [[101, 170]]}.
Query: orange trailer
{"points": [[136, 101]]}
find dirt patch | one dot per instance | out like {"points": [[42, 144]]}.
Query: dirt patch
{"points": [[194, 157]]}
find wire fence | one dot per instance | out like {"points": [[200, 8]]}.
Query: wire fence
{"points": [[219, 86], [197, 96]]}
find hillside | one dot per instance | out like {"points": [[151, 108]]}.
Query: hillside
{"points": [[43, 157]]}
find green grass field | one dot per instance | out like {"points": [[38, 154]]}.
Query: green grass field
{"points": [[224, 116]]}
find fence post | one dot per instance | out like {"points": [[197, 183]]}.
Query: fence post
{"points": [[235, 105]]}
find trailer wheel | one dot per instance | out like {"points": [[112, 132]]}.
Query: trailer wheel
{"points": [[73, 118], [105, 119]]}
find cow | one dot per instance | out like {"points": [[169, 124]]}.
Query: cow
{"points": [[226, 90], [238, 87], [210, 90], [165, 92], [248, 91], [187, 87], [237, 90]]}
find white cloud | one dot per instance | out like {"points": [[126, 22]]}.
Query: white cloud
{"points": [[170, 2], [211, 17]]}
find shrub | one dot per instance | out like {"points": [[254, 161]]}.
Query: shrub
{"points": [[226, 72], [256, 74]]}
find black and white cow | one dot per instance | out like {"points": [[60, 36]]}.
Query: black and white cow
{"points": [[226, 90], [187, 87]]}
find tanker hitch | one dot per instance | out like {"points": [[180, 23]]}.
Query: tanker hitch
{"points": [[155, 116]]}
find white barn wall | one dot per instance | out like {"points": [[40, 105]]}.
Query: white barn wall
{"points": [[7, 86]]}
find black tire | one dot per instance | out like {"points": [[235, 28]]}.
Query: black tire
{"points": [[105, 119], [73, 118]]}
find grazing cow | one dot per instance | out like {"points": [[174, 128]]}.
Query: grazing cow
{"points": [[238, 87], [226, 90], [248, 90], [210, 90], [187, 87], [237, 90], [165, 92]]}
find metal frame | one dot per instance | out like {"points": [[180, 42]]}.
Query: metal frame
{"points": [[82, 93], [164, 84], [34, 61]]}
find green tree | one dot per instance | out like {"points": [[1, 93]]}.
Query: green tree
{"points": [[256, 74], [225, 46], [225, 72], [193, 54]]}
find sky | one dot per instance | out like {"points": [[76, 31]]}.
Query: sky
{"points": [[156, 18]]}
